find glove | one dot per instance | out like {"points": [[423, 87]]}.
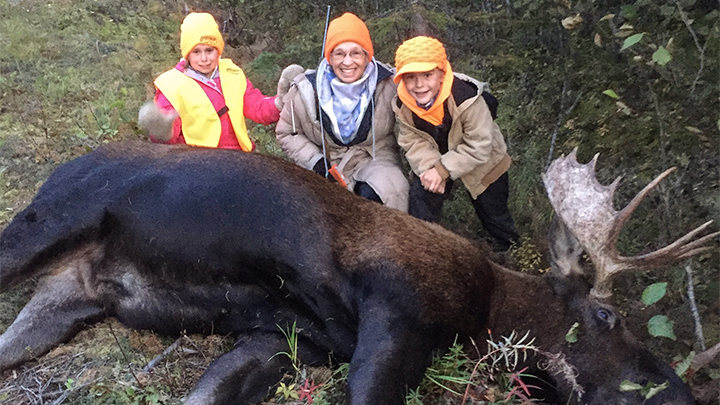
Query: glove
{"points": [[286, 78], [319, 168], [157, 122]]}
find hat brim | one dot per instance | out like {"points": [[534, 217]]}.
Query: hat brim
{"points": [[414, 67]]}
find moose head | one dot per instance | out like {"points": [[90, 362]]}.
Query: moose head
{"points": [[585, 222], [174, 239]]}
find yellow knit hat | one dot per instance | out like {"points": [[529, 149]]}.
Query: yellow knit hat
{"points": [[348, 28], [199, 28], [419, 54]]}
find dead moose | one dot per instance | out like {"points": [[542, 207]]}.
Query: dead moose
{"points": [[178, 239]]}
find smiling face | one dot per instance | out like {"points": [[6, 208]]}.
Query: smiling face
{"points": [[204, 59], [349, 60], [424, 86]]}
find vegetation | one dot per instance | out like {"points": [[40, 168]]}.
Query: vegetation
{"points": [[633, 80]]}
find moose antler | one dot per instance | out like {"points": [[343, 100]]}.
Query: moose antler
{"points": [[586, 208]]}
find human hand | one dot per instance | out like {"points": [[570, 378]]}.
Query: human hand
{"points": [[286, 78], [432, 181], [319, 168], [157, 122]]}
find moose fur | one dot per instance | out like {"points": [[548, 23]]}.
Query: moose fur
{"points": [[173, 238]]}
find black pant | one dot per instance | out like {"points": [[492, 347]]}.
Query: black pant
{"points": [[490, 206], [366, 191]]}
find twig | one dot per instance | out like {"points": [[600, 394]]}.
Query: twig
{"points": [[685, 20], [61, 398], [472, 374], [112, 331], [67, 393], [661, 128], [161, 356], [561, 119], [29, 393], [557, 125], [41, 388], [694, 308], [703, 359]]}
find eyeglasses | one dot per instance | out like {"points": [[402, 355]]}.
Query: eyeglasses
{"points": [[355, 55]]}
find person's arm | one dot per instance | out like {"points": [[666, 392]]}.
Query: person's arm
{"points": [[258, 107], [287, 77], [160, 119], [294, 129], [476, 145], [421, 151], [433, 181], [424, 157]]}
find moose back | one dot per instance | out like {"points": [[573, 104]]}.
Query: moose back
{"points": [[173, 238]]}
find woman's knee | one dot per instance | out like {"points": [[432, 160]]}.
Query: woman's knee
{"points": [[366, 191]]}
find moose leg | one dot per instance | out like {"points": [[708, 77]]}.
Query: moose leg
{"points": [[247, 373], [391, 356], [54, 314]]}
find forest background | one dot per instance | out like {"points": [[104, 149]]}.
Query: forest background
{"points": [[636, 81]]}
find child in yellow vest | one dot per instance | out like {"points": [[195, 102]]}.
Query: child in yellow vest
{"points": [[448, 132], [204, 99]]}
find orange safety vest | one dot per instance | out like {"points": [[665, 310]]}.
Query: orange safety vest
{"points": [[200, 122]]}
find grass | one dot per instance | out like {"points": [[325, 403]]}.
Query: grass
{"points": [[291, 335], [454, 377]]}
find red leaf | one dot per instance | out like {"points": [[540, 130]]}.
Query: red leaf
{"points": [[305, 391]]}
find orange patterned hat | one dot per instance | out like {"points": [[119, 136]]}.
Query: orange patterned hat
{"points": [[419, 54]]}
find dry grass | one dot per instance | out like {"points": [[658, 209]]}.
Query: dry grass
{"points": [[104, 365]]}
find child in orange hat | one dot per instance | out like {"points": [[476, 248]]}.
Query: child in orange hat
{"points": [[447, 130], [205, 99]]}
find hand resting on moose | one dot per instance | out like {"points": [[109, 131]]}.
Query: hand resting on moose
{"points": [[174, 238]]}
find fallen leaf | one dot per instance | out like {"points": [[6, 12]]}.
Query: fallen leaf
{"points": [[572, 22]]}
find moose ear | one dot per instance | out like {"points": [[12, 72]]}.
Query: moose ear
{"points": [[565, 250], [568, 275]]}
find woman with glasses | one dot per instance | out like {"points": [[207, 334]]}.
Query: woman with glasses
{"points": [[355, 145]]}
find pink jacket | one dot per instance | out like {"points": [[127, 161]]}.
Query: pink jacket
{"points": [[258, 108]]}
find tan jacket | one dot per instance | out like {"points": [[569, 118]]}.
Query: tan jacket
{"points": [[477, 153], [298, 133]]}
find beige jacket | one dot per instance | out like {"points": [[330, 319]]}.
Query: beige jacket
{"points": [[477, 153], [376, 160]]}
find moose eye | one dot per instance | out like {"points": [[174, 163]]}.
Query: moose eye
{"points": [[606, 316]]}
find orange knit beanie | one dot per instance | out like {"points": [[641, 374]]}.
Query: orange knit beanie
{"points": [[347, 28], [199, 28], [419, 54]]}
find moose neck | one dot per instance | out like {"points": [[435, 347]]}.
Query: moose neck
{"points": [[522, 303]]}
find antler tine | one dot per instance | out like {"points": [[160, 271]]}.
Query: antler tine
{"points": [[699, 250], [681, 248], [677, 250], [624, 215], [695, 250]]}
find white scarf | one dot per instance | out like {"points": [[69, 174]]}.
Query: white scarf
{"points": [[345, 103]]}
